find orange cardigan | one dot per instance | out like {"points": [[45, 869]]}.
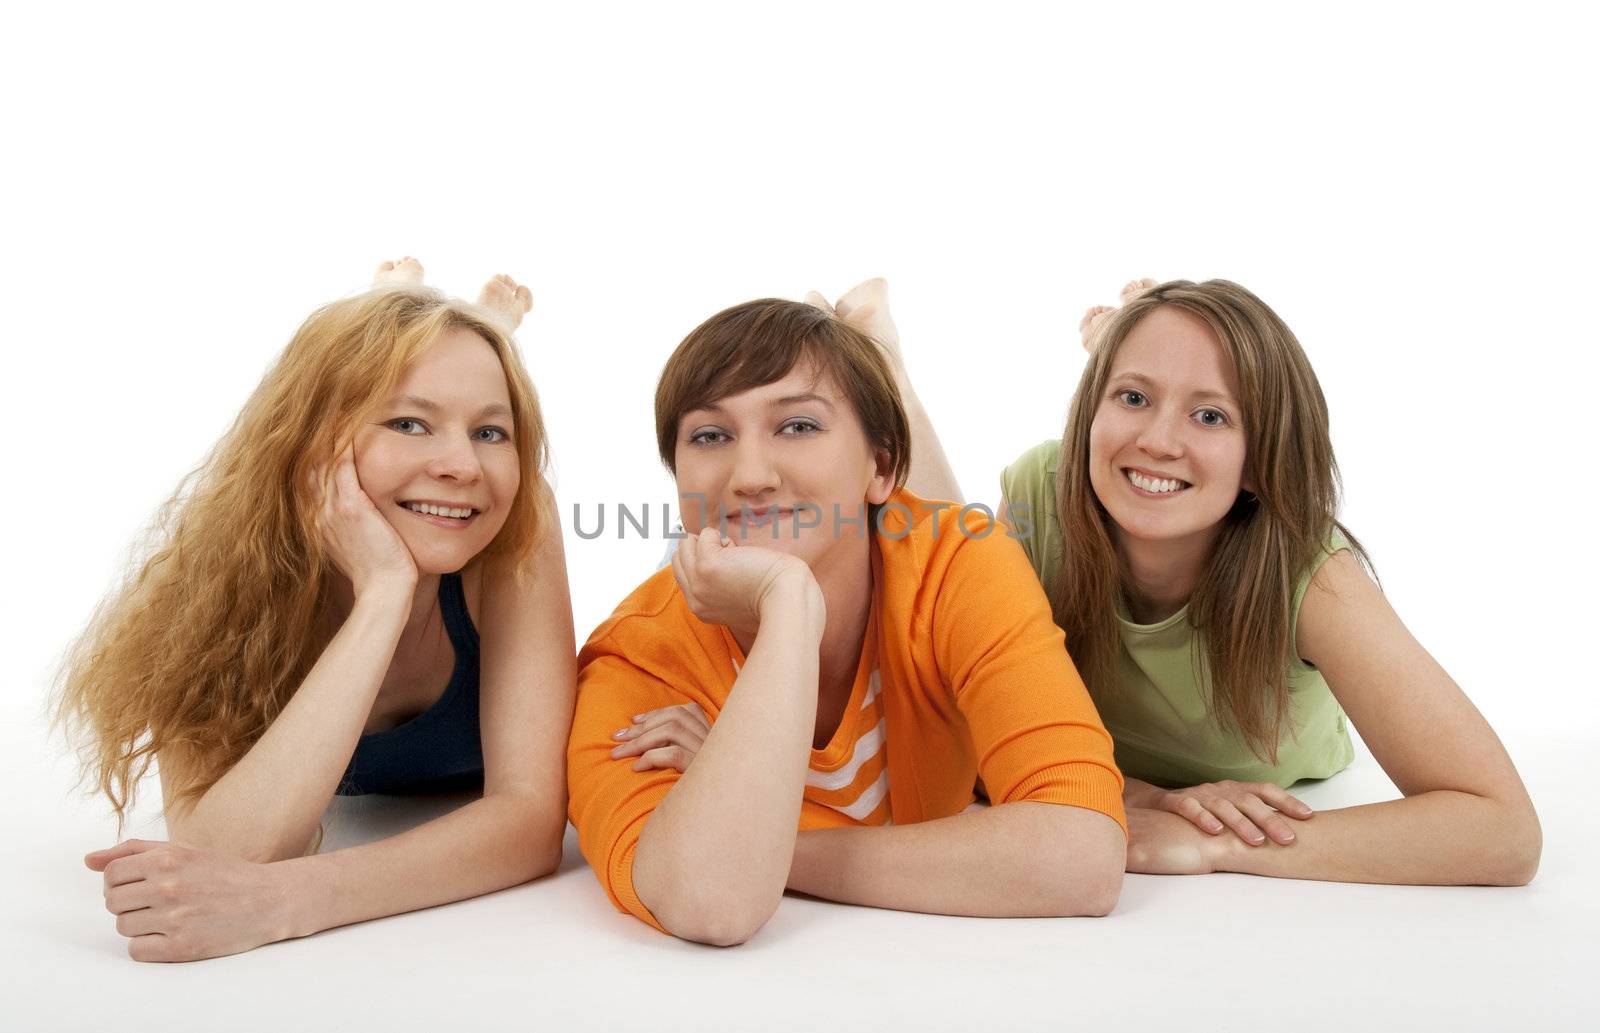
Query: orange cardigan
{"points": [[976, 681]]}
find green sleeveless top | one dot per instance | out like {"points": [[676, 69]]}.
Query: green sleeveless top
{"points": [[1162, 724]]}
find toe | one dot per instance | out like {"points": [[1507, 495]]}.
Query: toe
{"points": [[1134, 288]]}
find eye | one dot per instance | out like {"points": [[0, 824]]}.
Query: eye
{"points": [[800, 427], [1211, 418], [707, 437], [407, 425], [491, 435], [1128, 396]]}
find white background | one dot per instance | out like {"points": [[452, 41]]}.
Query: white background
{"points": [[1411, 187]]}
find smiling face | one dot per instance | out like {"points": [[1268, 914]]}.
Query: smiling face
{"points": [[1167, 445], [438, 459], [771, 460]]}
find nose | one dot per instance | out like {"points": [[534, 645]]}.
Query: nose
{"points": [[1162, 436], [455, 459], [754, 473]]}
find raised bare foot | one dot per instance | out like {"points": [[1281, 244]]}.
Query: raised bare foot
{"points": [[1133, 288], [1089, 326], [506, 300], [406, 270]]}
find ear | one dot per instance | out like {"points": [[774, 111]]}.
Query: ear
{"points": [[882, 483]]}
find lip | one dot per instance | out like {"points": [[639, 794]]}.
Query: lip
{"points": [[758, 515]]}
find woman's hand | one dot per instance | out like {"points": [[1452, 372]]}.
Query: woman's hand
{"points": [[1253, 810], [732, 584], [665, 738], [178, 903], [1161, 843], [362, 544]]}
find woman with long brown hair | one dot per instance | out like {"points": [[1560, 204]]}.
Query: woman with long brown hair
{"points": [[361, 589], [1184, 528]]}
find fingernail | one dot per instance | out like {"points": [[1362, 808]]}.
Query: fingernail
{"points": [[1288, 837], [619, 733], [637, 718], [616, 751]]}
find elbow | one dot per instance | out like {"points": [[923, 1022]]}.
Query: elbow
{"points": [[702, 910], [537, 830], [1091, 891], [714, 921], [1522, 845], [1086, 869]]}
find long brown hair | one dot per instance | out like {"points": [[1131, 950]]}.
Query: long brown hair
{"points": [[209, 636], [1243, 603]]}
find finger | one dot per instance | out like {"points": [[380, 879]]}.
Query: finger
{"points": [[666, 735], [647, 722], [344, 472], [1265, 817], [683, 563], [125, 870], [816, 300], [663, 758], [1292, 806], [1235, 820], [150, 947], [687, 712], [98, 859], [130, 896], [1192, 809], [142, 922]]}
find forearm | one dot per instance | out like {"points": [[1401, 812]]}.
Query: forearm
{"points": [[931, 476], [1437, 838], [713, 857], [498, 841], [1013, 860], [267, 806]]}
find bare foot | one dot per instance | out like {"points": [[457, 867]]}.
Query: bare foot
{"points": [[506, 300], [866, 307], [406, 270], [1134, 288], [1089, 326]]}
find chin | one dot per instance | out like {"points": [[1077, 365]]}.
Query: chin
{"points": [[435, 560]]}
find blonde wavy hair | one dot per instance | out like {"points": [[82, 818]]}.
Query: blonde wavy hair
{"points": [[1243, 604], [209, 635]]}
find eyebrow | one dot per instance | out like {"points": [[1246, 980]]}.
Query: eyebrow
{"points": [[493, 409], [1140, 378], [776, 403]]}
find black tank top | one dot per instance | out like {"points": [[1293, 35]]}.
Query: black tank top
{"points": [[439, 750]]}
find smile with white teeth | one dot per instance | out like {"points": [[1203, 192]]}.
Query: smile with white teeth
{"points": [[444, 511], [1155, 485]]}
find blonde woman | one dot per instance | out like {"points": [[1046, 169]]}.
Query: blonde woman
{"points": [[362, 589]]}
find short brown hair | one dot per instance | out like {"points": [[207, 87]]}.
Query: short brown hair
{"points": [[759, 342]]}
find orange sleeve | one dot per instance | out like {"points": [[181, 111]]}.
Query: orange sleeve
{"points": [[1034, 728], [608, 801]]}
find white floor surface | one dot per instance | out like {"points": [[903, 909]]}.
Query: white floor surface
{"points": [[1215, 952]]}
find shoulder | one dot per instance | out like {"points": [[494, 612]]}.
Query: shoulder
{"points": [[1032, 470], [942, 545], [1337, 603], [652, 611]]}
